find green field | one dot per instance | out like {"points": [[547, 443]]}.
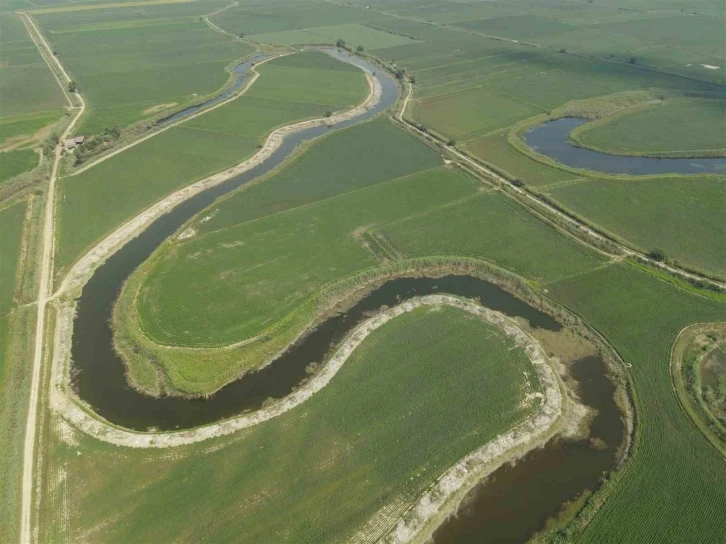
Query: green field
{"points": [[11, 231], [13, 163], [701, 127], [26, 84], [90, 202], [682, 215], [285, 241], [128, 60], [674, 473], [352, 34], [495, 149], [420, 393], [467, 114], [493, 228]]}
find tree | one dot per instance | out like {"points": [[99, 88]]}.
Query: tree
{"points": [[451, 143], [328, 113], [241, 34], [412, 79], [633, 60], [400, 72], [518, 182], [72, 87], [563, 50], [657, 254], [340, 43], [359, 49]]}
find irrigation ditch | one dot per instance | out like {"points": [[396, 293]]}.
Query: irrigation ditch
{"points": [[102, 403]]}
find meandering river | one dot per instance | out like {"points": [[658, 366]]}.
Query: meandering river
{"points": [[514, 502], [552, 140]]}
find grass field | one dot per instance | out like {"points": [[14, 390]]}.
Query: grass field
{"points": [[11, 232], [496, 150], [421, 392], [700, 123], [274, 263], [13, 163], [26, 84], [674, 473], [493, 228], [259, 259], [353, 34], [681, 215], [89, 202], [128, 60]]}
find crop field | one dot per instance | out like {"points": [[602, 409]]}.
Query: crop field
{"points": [[650, 131], [127, 61], [431, 386], [89, 202], [13, 163], [493, 228], [312, 177], [275, 262], [471, 113], [281, 241], [279, 17], [495, 149], [390, 197], [11, 230], [681, 215], [26, 84], [674, 470]]}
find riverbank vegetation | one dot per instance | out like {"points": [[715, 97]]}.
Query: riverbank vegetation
{"points": [[431, 385], [99, 199]]}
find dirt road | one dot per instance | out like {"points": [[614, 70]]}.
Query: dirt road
{"points": [[45, 282]]}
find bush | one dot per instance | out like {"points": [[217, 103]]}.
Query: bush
{"points": [[451, 143], [518, 182], [658, 254], [359, 49], [340, 43]]}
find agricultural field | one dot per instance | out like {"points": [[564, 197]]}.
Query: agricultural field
{"points": [[681, 215], [674, 469], [496, 151], [121, 412], [27, 85], [649, 131], [30, 99], [132, 62], [285, 92], [493, 228], [13, 163], [431, 385], [11, 231], [283, 241], [14, 334]]}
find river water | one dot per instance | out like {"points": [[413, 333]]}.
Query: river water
{"points": [[242, 75], [552, 139], [535, 488]]}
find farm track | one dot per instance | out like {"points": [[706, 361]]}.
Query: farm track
{"points": [[44, 283], [585, 233]]}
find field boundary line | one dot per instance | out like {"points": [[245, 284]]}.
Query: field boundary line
{"points": [[45, 286]]}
